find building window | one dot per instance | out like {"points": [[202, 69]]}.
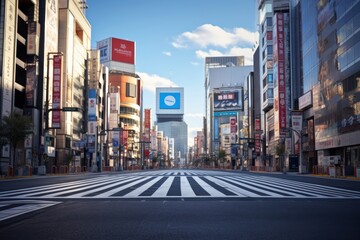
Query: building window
{"points": [[270, 78], [264, 68], [349, 58], [67, 142], [79, 32], [269, 21], [130, 90]]}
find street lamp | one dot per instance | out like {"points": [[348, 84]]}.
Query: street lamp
{"points": [[101, 134], [296, 126], [58, 73]]}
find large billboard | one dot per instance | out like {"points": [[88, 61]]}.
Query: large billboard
{"points": [[123, 51], [117, 50], [231, 99], [169, 100]]}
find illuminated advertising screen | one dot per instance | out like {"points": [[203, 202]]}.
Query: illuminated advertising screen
{"points": [[169, 100], [122, 51], [228, 100]]}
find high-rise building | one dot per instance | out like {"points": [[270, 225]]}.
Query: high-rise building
{"points": [[119, 56], [169, 114], [215, 62], [330, 103], [225, 103], [275, 77], [35, 82], [20, 90]]}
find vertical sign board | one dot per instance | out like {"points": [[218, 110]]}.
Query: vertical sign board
{"points": [[104, 47], [147, 113], [31, 82], [92, 112], [257, 136], [8, 56], [233, 129], [115, 141], [56, 100], [92, 119], [281, 69], [92, 105], [32, 45], [113, 118], [296, 123]]}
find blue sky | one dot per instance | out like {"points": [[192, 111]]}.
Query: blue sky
{"points": [[172, 40]]}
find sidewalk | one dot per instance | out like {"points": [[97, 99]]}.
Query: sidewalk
{"points": [[309, 175]]}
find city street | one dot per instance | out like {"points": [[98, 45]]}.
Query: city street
{"points": [[179, 204]]}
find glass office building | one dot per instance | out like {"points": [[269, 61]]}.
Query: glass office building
{"points": [[331, 69]]}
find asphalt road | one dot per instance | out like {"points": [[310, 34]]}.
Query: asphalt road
{"points": [[228, 217]]}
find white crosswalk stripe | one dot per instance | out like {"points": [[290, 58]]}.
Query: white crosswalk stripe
{"points": [[180, 184], [16, 208]]}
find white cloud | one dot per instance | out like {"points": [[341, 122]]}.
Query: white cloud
{"points": [[194, 115], [167, 54], [216, 41], [235, 51], [209, 35], [246, 52], [210, 53], [151, 82]]}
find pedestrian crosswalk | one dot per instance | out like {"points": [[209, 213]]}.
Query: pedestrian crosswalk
{"points": [[179, 184], [10, 209]]}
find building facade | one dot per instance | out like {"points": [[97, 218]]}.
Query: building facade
{"points": [[119, 56], [215, 62], [335, 92], [226, 96], [169, 114]]}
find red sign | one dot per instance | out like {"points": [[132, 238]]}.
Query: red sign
{"points": [[281, 69], [257, 136], [56, 101], [147, 124], [123, 51]]}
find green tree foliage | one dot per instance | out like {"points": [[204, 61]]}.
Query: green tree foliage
{"points": [[222, 154], [14, 129]]}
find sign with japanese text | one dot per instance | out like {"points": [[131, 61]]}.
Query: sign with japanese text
{"points": [[56, 99]]}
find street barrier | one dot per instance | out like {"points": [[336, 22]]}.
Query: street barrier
{"points": [[10, 172], [64, 169], [53, 169]]}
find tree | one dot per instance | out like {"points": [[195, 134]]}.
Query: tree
{"points": [[222, 155], [13, 130]]}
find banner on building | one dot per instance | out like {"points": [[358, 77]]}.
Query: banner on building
{"points": [[228, 100], [92, 105], [296, 123], [31, 82], [56, 99], [257, 136]]}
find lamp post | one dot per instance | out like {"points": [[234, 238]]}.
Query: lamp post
{"points": [[101, 134], [50, 56]]}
